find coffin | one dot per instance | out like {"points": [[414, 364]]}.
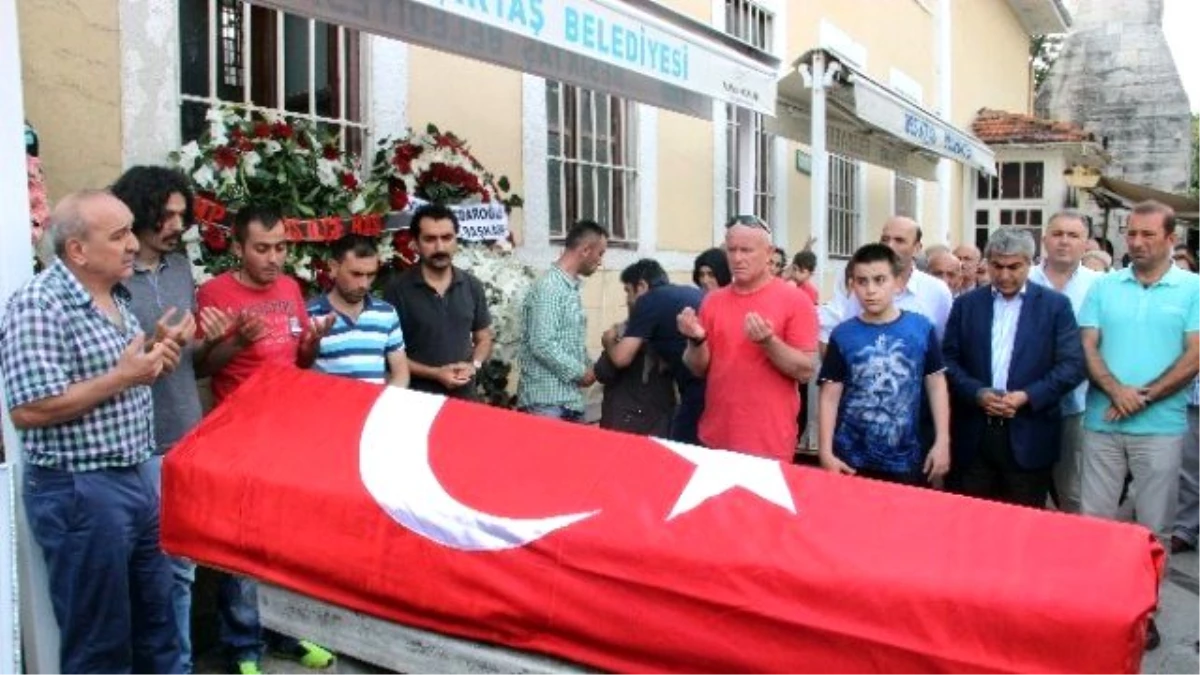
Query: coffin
{"points": [[633, 554]]}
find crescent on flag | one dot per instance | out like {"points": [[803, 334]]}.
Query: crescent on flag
{"points": [[394, 466]]}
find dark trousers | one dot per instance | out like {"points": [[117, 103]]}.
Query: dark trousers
{"points": [[994, 473], [914, 478], [110, 583], [557, 412], [241, 634], [685, 426]]}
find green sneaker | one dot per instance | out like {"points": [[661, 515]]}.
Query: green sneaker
{"points": [[248, 668], [309, 655]]}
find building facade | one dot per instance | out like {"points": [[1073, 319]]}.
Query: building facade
{"points": [[111, 83]]}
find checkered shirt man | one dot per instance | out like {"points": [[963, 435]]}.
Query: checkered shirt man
{"points": [[53, 335]]}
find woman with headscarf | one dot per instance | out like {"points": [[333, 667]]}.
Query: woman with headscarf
{"points": [[711, 270]]}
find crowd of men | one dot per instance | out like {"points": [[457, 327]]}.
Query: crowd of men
{"points": [[989, 375]]}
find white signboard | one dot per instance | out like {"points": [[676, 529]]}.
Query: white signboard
{"points": [[606, 45], [853, 141], [477, 222], [886, 111]]}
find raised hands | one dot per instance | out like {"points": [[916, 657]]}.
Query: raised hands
{"points": [[689, 325], [141, 364]]}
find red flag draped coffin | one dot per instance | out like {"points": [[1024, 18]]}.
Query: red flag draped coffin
{"points": [[633, 554]]}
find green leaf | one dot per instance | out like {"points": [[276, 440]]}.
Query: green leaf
{"points": [[503, 184], [431, 128]]}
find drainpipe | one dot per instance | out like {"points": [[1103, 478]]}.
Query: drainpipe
{"points": [[814, 76], [944, 172]]}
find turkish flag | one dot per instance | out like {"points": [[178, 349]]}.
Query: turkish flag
{"points": [[634, 554]]}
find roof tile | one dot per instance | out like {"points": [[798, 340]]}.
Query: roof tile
{"points": [[997, 126]]}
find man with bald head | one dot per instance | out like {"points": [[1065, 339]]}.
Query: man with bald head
{"points": [[752, 341], [970, 258], [77, 370], [919, 292], [943, 265]]}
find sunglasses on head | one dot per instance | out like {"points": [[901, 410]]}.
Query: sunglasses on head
{"points": [[749, 221]]}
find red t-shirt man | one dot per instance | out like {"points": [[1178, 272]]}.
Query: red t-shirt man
{"points": [[281, 307], [750, 406]]}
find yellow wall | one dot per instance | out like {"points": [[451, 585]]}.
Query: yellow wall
{"points": [[71, 70], [991, 53], [685, 182], [487, 113]]}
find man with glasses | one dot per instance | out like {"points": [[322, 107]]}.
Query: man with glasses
{"points": [[753, 341]]}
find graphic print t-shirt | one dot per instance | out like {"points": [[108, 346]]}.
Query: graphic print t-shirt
{"points": [[882, 368], [281, 307]]}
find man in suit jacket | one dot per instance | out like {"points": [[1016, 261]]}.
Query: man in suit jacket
{"points": [[1012, 352]]}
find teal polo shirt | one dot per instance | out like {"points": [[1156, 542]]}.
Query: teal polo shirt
{"points": [[1142, 332]]}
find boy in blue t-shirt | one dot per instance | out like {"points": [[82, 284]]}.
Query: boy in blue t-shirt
{"points": [[871, 381]]}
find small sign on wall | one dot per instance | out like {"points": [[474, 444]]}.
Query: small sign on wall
{"points": [[804, 162]]}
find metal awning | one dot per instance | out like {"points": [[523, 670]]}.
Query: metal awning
{"points": [[1121, 194], [635, 49], [868, 121]]}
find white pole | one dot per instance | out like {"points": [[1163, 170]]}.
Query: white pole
{"points": [[819, 196], [16, 266], [945, 91]]}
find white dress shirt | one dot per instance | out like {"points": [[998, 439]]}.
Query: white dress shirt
{"points": [[1075, 290], [1006, 314]]}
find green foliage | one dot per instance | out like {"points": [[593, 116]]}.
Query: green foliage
{"points": [[1044, 50]]}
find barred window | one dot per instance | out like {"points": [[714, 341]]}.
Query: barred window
{"points": [[592, 156], [263, 59], [745, 134], [844, 211], [905, 201]]}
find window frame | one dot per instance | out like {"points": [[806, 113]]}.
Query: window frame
{"points": [[748, 145], [844, 209], [574, 119], [235, 70]]}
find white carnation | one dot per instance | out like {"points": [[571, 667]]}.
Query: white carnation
{"points": [[250, 162], [327, 172], [204, 177], [188, 155]]}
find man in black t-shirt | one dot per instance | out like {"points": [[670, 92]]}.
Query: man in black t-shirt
{"points": [[654, 306]]}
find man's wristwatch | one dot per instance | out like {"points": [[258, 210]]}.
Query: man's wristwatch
{"points": [[697, 343]]}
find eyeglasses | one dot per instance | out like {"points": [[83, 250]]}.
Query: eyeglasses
{"points": [[749, 221]]}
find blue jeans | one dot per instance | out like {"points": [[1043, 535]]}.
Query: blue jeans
{"points": [[110, 583], [183, 576], [238, 626], [557, 412]]}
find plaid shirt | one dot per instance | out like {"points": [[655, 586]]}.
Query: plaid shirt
{"points": [[53, 335], [553, 354]]}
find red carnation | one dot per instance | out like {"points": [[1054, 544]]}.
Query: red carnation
{"points": [[349, 181], [262, 130], [245, 144], [406, 250], [330, 152], [225, 157], [237, 134], [282, 130], [397, 198], [214, 238], [321, 274]]}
